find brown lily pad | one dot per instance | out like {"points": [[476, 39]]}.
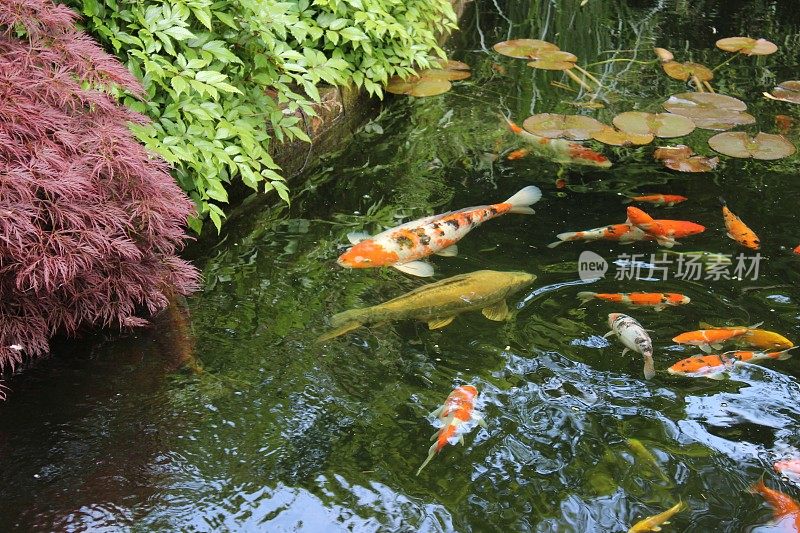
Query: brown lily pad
{"points": [[710, 111], [786, 91], [765, 146], [682, 159], [747, 46], [430, 82], [620, 138], [523, 48], [686, 71], [553, 126], [553, 60], [661, 124]]}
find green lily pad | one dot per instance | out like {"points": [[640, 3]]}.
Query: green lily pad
{"points": [[553, 126], [786, 91], [661, 125], [621, 138], [523, 48], [686, 71], [747, 46], [553, 60], [710, 111], [765, 146]]}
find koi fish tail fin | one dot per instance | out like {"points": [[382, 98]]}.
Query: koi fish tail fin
{"points": [[722, 201], [562, 238], [627, 201], [521, 202], [584, 296], [784, 354], [344, 322], [431, 455], [513, 128], [649, 367]]}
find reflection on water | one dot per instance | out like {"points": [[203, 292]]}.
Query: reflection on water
{"points": [[232, 418]]}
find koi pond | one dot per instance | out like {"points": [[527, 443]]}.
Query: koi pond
{"points": [[229, 415]]}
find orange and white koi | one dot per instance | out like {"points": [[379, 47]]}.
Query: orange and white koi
{"points": [[738, 230], [627, 233], [708, 339], [457, 416], [668, 200], [757, 338], [784, 507], [715, 366], [657, 300], [401, 247], [651, 226], [559, 150], [634, 337]]}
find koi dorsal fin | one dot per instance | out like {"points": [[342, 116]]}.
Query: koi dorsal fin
{"points": [[356, 237]]}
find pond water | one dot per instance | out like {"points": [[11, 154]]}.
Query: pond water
{"points": [[228, 416]]}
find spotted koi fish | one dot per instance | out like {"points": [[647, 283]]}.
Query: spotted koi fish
{"points": [[668, 200], [708, 339], [634, 337], [559, 150], [402, 246], [785, 509], [456, 416], [628, 233], [715, 366], [657, 300], [738, 230], [663, 235]]}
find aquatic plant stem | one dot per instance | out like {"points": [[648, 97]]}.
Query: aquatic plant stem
{"points": [[578, 80], [614, 60], [588, 75], [734, 56]]}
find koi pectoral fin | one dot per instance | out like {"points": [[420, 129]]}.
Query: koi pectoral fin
{"points": [[497, 312], [338, 331], [438, 323], [607, 335], [705, 348], [450, 251], [437, 412], [625, 350], [416, 268]]}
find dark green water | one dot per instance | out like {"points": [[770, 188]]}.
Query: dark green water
{"points": [[279, 434]]}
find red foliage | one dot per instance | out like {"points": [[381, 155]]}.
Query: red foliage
{"points": [[89, 223]]}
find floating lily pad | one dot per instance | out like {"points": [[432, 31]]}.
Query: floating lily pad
{"points": [[682, 159], [620, 138], [787, 91], [710, 111], [764, 146], [554, 60], [418, 86], [686, 71], [553, 126], [523, 48], [661, 125], [664, 55], [747, 46]]}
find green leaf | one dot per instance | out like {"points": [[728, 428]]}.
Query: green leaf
{"points": [[179, 84], [353, 34], [178, 33]]}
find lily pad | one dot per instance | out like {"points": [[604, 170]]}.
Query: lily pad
{"points": [[418, 86], [682, 159], [620, 138], [787, 91], [661, 125], [686, 71], [553, 126], [664, 55], [523, 48], [747, 46], [710, 111], [765, 146], [554, 60]]}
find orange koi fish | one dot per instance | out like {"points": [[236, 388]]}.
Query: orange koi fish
{"points": [[738, 230], [518, 154], [668, 200], [706, 339], [402, 246], [797, 250], [657, 300], [784, 507], [758, 338], [788, 467], [559, 150], [649, 225], [715, 366], [456, 416], [628, 233]]}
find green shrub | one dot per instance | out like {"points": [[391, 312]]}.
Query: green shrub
{"points": [[224, 78]]}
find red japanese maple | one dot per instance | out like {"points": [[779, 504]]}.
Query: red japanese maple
{"points": [[90, 224]]}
